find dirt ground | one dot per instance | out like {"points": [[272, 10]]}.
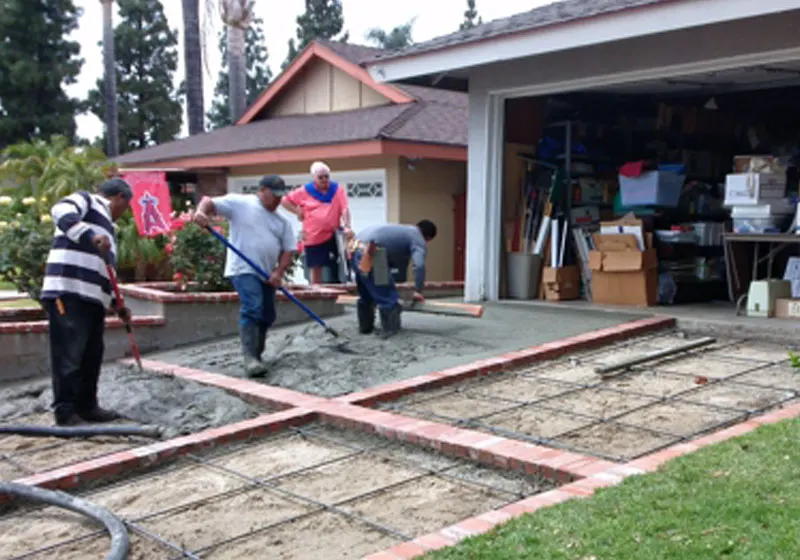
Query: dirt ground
{"points": [[177, 406], [566, 404], [304, 357], [241, 500]]}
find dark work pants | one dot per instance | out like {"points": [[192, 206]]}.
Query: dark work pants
{"points": [[76, 353]]}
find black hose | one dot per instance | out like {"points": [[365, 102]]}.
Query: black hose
{"points": [[116, 528], [79, 431]]}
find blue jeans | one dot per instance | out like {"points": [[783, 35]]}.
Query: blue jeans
{"points": [[257, 300], [386, 297]]}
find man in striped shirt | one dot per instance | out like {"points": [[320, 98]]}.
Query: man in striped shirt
{"points": [[76, 294]]}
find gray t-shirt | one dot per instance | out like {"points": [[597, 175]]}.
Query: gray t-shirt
{"points": [[402, 243], [259, 234]]}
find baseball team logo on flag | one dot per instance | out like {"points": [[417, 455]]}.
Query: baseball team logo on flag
{"points": [[151, 204]]}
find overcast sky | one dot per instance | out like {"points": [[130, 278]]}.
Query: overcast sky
{"points": [[279, 23]]}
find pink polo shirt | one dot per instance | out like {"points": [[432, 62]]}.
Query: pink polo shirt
{"points": [[320, 220]]}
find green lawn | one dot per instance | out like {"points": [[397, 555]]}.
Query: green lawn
{"points": [[738, 499]]}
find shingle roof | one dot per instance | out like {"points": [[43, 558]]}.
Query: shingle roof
{"points": [[558, 12], [438, 117], [356, 54]]}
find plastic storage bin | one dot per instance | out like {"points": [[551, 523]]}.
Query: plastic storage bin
{"points": [[653, 188]]}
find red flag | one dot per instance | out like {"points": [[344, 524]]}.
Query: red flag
{"points": [[151, 204]]}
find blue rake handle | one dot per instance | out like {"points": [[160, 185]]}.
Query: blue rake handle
{"points": [[283, 290]]}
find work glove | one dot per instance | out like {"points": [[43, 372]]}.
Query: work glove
{"points": [[124, 313]]}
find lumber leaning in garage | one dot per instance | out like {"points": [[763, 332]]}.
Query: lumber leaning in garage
{"points": [[432, 307]]}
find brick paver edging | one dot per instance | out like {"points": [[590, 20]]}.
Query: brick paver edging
{"points": [[547, 351], [34, 327], [248, 390], [582, 488], [123, 462]]}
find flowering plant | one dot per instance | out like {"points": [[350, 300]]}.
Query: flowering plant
{"points": [[195, 255], [26, 233]]}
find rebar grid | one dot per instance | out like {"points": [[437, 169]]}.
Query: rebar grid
{"points": [[540, 373], [377, 446]]}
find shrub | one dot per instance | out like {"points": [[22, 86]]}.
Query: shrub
{"points": [[26, 232], [196, 256]]}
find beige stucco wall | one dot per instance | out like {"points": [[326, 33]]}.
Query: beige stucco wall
{"points": [[322, 88], [427, 193], [390, 163]]}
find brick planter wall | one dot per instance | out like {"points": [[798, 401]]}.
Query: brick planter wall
{"points": [[25, 346], [196, 317]]}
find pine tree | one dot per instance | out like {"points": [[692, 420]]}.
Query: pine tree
{"points": [[323, 19], [258, 73], [150, 110], [471, 17], [36, 61], [396, 39]]}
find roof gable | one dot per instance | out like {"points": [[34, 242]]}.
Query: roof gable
{"points": [[343, 57]]}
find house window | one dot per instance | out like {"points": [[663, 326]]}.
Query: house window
{"points": [[365, 190]]}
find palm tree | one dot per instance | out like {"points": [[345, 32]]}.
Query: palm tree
{"points": [[193, 55], [237, 15], [110, 80]]}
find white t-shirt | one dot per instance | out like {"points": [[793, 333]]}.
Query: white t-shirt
{"points": [[259, 234]]}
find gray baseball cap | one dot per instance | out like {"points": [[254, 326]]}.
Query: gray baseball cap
{"points": [[274, 183]]}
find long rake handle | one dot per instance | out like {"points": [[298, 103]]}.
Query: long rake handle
{"points": [[264, 274], [127, 322]]}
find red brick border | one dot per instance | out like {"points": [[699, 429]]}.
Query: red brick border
{"points": [[26, 327], [582, 488], [248, 390], [547, 351], [71, 476]]}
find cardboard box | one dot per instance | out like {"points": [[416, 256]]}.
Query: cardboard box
{"points": [[787, 308], [754, 189], [623, 273], [561, 284]]}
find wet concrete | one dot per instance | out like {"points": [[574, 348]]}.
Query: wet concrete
{"points": [[178, 406], [304, 357]]}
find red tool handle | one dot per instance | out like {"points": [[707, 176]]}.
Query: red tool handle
{"points": [[127, 321]]}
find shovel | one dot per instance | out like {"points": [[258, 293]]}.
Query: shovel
{"points": [[341, 344]]}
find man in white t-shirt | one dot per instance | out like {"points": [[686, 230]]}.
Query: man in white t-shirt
{"points": [[266, 238]]}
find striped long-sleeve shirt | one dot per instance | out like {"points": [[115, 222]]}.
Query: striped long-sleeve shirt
{"points": [[74, 266]]}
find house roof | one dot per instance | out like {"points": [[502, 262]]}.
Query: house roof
{"points": [[552, 14], [436, 116]]}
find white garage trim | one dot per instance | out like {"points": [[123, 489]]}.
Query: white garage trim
{"points": [[663, 72], [612, 26]]}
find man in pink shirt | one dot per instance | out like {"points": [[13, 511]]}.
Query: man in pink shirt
{"points": [[322, 208]]}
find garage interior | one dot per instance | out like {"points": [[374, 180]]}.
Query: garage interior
{"points": [[698, 129]]}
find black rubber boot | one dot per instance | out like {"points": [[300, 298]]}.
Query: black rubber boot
{"points": [[390, 321], [249, 337], [262, 342], [366, 317], [99, 415]]}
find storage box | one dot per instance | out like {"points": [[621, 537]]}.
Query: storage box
{"points": [[762, 295], [622, 273], [780, 207], [753, 189], [589, 191], [773, 224], [787, 308], [561, 284], [754, 163], [653, 188]]}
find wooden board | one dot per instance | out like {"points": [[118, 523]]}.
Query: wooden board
{"points": [[432, 307]]}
